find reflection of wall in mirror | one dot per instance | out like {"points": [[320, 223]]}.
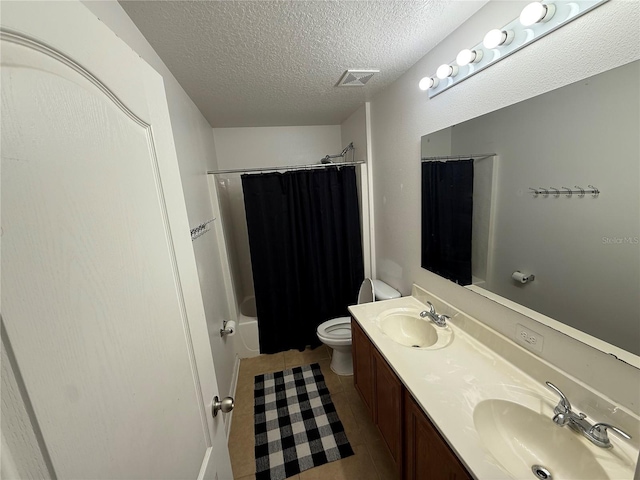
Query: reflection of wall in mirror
{"points": [[585, 133]]}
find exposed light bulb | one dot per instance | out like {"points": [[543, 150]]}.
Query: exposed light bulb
{"points": [[428, 82], [466, 56], [445, 71], [495, 38], [537, 12]]}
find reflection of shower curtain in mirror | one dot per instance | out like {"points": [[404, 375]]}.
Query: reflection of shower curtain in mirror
{"points": [[447, 215], [306, 251]]}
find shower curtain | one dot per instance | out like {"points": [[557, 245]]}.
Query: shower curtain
{"points": [[447, 215], [306, 251]]}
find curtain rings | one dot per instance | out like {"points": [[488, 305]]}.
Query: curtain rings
{"points": [[557, 193], [595, 191], [581, 194], [534, 191], [569, 192]]}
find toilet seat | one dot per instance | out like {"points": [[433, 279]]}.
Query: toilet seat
{"points": [[336, 331]]}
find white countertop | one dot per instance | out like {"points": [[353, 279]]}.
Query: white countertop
{"points": [[449, 382]]}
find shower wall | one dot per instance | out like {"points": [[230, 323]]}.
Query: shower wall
{"points": [[235, 232], [254, 147]]}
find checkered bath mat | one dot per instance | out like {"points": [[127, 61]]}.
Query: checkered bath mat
{"points": [[296, 424]]}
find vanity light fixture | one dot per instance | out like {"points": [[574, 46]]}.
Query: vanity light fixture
{"points": [[428, 82], [537, 12], [445, 71], [466, 56], [496, 38], [532, 24]]}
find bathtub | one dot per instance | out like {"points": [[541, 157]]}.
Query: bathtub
{"points": [[247, 340]]}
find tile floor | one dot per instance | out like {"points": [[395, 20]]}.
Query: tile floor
{"points": [[372, 460]]}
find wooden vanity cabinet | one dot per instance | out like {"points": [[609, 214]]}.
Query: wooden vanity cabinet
{"points": [[361, 348], [427, 456], [416, 446], [387, 405], [380, 390]]}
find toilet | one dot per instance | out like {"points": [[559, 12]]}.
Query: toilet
{"points": [[336, 333]]}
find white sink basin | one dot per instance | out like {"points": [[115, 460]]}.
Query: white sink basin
{"points": [[404, 326], [520, 438]]}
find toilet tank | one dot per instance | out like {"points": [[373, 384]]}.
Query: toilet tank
{"points": [[384, 291]]}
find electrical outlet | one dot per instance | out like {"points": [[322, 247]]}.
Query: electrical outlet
{"points": [[528, 338]]}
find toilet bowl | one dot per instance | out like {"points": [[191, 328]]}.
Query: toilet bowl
{"points": [[336, 333]]}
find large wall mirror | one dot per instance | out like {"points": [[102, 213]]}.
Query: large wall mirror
{"points": [[539, 203]]}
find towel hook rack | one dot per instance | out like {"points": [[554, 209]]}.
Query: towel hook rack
{"points": [[568, 192]]}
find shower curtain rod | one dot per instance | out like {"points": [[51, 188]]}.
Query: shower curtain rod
{"points": [[287, 167], [477, 156]]}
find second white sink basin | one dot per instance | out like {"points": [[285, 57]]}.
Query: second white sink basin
{"points": [[404, 326], [521, 439]]}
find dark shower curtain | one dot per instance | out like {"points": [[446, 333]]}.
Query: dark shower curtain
{"points": [[447, 214], [306, 251]]}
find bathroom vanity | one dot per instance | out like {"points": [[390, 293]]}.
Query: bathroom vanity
{"points": [[463, 401], [417, 448]]}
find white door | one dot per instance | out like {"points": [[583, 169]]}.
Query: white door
{"points": [[100, 294]]}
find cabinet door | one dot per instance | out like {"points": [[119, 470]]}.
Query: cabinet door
{"points": [[388, 405], [427, 456], [362, 365]]}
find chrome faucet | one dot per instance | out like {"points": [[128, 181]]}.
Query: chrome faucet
{"points": [[438, 319], [596, 433]]}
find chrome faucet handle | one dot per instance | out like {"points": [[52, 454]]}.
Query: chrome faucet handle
{"points": [[561, 419], [432, 309], [564, 406], [440, 320], [599, 433]]}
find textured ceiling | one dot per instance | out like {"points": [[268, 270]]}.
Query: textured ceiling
{"points": [[268, 63]]}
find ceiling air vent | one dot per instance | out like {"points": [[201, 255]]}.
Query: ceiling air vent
{"points": [[356, 78]]}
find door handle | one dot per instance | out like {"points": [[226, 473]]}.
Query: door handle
{"points": [[225, 405]]}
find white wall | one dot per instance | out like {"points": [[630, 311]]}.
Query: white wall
{"points": [[251, 147], [402, 113], [354, 129], [196, 154]]}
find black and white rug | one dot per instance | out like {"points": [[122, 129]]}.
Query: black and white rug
{"points": [[296, 424]]}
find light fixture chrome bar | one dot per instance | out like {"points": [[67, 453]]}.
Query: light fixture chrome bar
{"points": [[516, 37], [286, 167], [442, 158]]}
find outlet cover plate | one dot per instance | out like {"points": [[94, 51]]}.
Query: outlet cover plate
{"points": [[528, 338]]}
